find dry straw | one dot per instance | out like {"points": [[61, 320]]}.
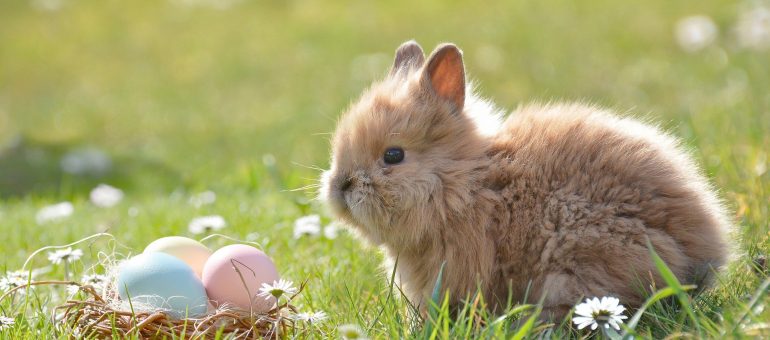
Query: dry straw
{"points": [[96, 317], [101, 314]]}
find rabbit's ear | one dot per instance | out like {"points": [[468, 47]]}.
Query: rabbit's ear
{"points": [[445, 74], [409, 55]]}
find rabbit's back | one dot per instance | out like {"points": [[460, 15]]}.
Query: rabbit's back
{"points": [[581, 192]]}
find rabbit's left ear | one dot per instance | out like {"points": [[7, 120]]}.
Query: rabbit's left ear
{"points": [[408, 56], [445, 74]]}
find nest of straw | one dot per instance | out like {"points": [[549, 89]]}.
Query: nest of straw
{"points": [[96, 317]]}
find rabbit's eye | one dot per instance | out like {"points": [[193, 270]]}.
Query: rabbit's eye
{"points": [[393, 155]]}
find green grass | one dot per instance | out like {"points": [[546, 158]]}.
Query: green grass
{"points": [[191, 98]]}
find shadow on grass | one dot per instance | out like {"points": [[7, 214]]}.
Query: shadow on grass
{"points": [[29, 167]]}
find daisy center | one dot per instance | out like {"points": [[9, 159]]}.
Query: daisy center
{"points": [[601, 316]]}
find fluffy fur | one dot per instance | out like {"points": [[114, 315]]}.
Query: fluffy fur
{"points": [[559, 198]]}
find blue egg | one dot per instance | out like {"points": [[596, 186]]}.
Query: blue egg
{"points": [[162, 282]]}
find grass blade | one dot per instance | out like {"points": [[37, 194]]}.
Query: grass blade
{"points": [[673, 282], [528, 326], [761, 291], [630, 326], [434, 304], [437, 286]]}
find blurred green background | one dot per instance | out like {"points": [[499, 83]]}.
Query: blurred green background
{"points": [[202, 87], [182, 96]]}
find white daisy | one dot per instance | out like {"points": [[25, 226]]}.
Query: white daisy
{"points": [[22, 275], [213, 4], [72, 290], [98, 281], [268, 160], [351, 331], [94, 279], [54, 212], [277, 289], [105, 196], [86, 161], [313, 317], [753, 28], [332, 230], [307, 225], [65, 255], [6, 322], [695, 32], [205, 224], [47, 5], [13, 280], [203, 198], [594, 312]]}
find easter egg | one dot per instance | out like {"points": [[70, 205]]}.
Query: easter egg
{"points": [[188, 250], [161, 282], [233, 275]]}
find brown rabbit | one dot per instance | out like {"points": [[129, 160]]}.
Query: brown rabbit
{"points": [[559, 197]]}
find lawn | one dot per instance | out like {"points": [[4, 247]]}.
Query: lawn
{"points": [[169, 99]]}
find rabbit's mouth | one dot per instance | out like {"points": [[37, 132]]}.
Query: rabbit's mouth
{"points": [[350, 197], [338, 197], [352, 204]]}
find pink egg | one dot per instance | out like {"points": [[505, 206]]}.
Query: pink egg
{"points": [[225, 286]]}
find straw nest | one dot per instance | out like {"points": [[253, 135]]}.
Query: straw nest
{"points": [[98, 316]]}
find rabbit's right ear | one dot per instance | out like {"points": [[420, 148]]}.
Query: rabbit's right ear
{"points": [[445, 74], [408, 56]]}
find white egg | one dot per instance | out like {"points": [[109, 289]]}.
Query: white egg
{"points": [[188, 250]]}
